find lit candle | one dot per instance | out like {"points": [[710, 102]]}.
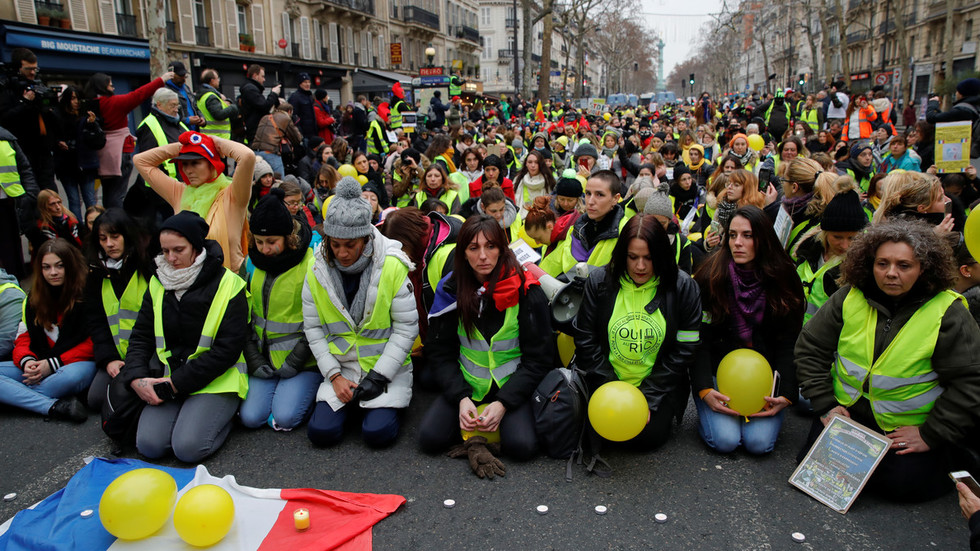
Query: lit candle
{"points": [[301, 518]]}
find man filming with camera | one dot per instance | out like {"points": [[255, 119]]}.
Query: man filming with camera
{"points": [[25, 110]]}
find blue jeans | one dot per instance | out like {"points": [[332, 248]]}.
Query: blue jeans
{"points": [[275, 161], [84, 182], [326, 428], [289, 401], [724, 433], [70, 379]]}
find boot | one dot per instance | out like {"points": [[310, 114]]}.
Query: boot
{"points": [[68, 409]]}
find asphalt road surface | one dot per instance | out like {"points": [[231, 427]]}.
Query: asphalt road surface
{"points": [[712, 501]]}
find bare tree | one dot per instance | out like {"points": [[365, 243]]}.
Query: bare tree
{"points": [[156, 29]]}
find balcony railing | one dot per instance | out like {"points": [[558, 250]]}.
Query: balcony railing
{"points": [[202, 35], [855, 37], [52, 6], [510, 22], [126, 24], [366, 6], [425, 18], [171, 31], [471, 34], [505, 54]]}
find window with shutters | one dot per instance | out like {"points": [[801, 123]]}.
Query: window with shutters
{"points": [[258, 28], [243, 25], [334, 47], [484, 17]]}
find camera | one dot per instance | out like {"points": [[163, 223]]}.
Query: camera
{"points": [[13, 82]]}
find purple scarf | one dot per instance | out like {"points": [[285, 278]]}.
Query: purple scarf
{"points": [[749, 301]]}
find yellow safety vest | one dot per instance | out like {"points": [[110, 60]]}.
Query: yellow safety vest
{"points": [[9, 176], [278, 324], [121, 312], [436, 264], [153, 124], [214, 127], [395, 115], [810, 117], [561, 260], [448, 197], [484, 361], [376, 139], [372, 336], [901, 385], [234, 379], [816, 295]]}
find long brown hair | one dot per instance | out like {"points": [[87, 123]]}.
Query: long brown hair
{"points": [[42, 207], [467, 301], [409, 227], [784, 292], [50, 303]]}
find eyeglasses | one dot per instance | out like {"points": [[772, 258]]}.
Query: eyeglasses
{"points": [[293, 203]]}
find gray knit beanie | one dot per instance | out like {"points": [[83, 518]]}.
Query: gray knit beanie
{"points": [[349, 214], [659, 202]]}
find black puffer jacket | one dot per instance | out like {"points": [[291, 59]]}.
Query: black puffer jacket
{"points": [[536, 342], [255, 105], [681, 308], [183, 321], [98, 325]]}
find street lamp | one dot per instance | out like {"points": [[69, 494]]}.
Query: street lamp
{"points": [[430, 53]]}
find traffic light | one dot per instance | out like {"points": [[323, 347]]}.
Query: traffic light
{"points": [[691, 81], [802, 79]]}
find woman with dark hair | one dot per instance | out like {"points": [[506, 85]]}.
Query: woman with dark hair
{"points": [[488, 307], [437, 185], [494, 175], [472, 164], [79, 139], [341, 150], [185, 352], [52, 357], [440, 152], [363, 166], [895, 349], [119, 273], [533, 180], [752, 298], [639, 322], [859, 163], [925, 143], [114, 113], [283, 376], [360, 318], [823, 142]]}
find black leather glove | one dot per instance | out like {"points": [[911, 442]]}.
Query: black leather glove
{"points": [[264, 372], [370, 387], [286, 371]]}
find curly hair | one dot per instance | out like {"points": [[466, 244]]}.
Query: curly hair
{"points": [[933, 253]]}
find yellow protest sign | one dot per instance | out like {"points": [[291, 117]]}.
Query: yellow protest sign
{"points": [[953, 146]]}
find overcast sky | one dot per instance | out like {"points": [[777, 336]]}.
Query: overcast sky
{"points": [[678, 31]]}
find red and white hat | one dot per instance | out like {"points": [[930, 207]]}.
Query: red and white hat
{"points": [[195, 145]]}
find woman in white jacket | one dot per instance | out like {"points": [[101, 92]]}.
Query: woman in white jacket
{"points": [[360, 319]]}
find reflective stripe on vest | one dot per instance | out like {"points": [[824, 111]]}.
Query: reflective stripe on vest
{"points": [[434, 268], [484, 362], [863, 184], [769, 112], [370, 339], [278, 324], [9, 176], [215, 127], [234, 378], [816, 295], [121, 312], [902, 387], [564, 262], [153, 124]]}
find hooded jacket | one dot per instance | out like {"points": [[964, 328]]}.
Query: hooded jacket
{"points": [[404, 327]]}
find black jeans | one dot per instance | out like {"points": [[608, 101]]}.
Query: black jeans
{"points": [[440, 430]]}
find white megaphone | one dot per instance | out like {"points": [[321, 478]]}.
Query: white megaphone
{"points": [[565, 298]]}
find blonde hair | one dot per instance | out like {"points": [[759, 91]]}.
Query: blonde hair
{"points": [[906, 190], [803, 172]]}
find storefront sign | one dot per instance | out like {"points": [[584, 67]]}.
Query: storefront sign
{"points": [[430, 71], [76, 46], [395, 52], [859, 76]]}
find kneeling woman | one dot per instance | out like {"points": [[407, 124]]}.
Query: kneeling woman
{"points": [[639, 323], [283, 377], [490, 342], [52, 359], [360, 318], [185, 354], [896, 350], [752, 298]]}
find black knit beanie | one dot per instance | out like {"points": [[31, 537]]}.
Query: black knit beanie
{"points": [[569, 187], [271, 217], [189, 224], [844, 213]]}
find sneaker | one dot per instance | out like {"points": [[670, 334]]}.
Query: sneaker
{"points": [[68, 409]]}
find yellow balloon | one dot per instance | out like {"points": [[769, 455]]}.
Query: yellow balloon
{"points": [[362, 179], [347, 170], [204, 515], [745, 377], [566, 348], [492, 437], [137, 503], [756, 142], [971, 233], [618, 411], [606, 116]]}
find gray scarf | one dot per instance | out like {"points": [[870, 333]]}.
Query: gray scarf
{"points": [[361, 266]]}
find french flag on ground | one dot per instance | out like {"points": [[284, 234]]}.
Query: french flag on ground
{"points": [[263, 516]]}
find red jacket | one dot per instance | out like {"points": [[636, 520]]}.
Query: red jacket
{"points": [[115, 109], [476, 188], [69, 330], [323, 122]]}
